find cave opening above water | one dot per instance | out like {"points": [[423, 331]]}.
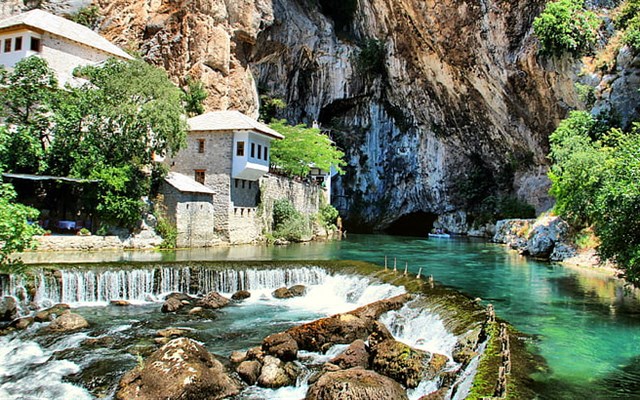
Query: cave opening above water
{"points": [[414, 224]]}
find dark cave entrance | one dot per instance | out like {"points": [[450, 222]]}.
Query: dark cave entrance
{"points": [[414, 224]]}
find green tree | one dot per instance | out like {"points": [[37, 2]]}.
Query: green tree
{"points": [[304, 148], [565, 26], [16, 231], [576, 173], [110, 128], [270, 106], [29, 94], [617, 216], [194, 95], [596, 182]]}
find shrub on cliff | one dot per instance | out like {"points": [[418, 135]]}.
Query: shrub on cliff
{"points": [[566, 27], [628, 20], [595, 182]]}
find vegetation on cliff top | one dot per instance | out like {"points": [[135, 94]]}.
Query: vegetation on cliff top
{"points": [[596, 182], [565, 26]]}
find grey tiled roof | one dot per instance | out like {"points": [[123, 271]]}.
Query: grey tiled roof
{"points": [[229, 121], [185, 184], [59, 26]]}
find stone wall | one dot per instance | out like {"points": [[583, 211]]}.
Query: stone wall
{"points": [[193, 216], [69, 242], [305, 197], [216, 162], [245, 193], [245, 225]]}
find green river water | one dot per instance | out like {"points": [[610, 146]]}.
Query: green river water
{"points": [[584, 324]]}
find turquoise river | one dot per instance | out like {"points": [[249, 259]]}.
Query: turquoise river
{"points": [[583, 323]]}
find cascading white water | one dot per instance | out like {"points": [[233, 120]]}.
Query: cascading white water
{"points": [[99, 286], [326, 294], [420, 328]]}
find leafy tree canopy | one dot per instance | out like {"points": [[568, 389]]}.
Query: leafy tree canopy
{"points": [[596, 182], [304, 148], [29, 95], [106, 129], [565, 26]]}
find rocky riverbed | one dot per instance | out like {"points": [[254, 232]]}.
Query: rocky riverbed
{"points": [[411, 339]]}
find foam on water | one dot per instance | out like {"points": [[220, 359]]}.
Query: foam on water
{"points": [[28, 372], [420, 328]]}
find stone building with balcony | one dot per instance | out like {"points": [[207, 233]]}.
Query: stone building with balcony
{"points": [[228, 153]]}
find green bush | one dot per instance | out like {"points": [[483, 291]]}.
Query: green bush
{"points": [[168, 232], [595, 182], [288, 223], [87, 16], [328, 216], [586, 94], [628, 12], [283, 211], [566, 27], [631, 36]]}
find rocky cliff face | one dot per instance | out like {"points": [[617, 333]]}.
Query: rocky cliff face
{"points": [[457, 109], [436, 103]]}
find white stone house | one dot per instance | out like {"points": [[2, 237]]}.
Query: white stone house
{"points": [[64, 44], [228, 152]]}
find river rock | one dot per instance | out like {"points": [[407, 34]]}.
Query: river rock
{"points": [[355, 384], [172, 332], [545, 233], [22, 323], [237, 357], [298, 290], [8, 308], [50, 313], [213, 301], [275, 373], [281, 345], [562, 251], [282, 293], [249, 371], [321, 334], [374, 310], [379, 333], [119, 303], [255, 353], [356, 355], [400, 362], [440, 394], [181, 369], [241, 295], [172, 304], [196, 310], [68, 322]]}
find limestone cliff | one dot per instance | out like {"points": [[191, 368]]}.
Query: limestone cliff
{"points": [[460, 108], [436, 103]]}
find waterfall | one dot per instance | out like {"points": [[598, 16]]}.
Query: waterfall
{"points": [[99, 286], [420, 328]]}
